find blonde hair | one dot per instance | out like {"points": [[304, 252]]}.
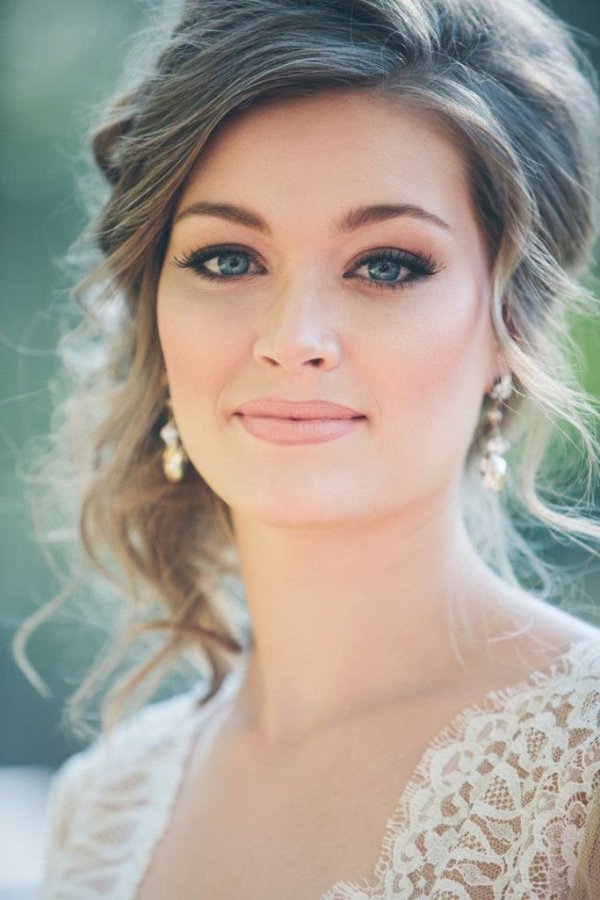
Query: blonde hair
{"points": [[507, 80]]}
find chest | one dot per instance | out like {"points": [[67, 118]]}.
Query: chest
{"points": [[290, 826]]}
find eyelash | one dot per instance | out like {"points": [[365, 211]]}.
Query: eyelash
{"points": [[422, 264]]}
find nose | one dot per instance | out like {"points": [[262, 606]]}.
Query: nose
{"points": [[296, 331]]}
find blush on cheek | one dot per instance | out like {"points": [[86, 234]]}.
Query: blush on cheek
{"points": [[185, 344], [449, 365]]}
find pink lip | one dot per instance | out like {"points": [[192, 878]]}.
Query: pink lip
{"points": [[298, 431], [275, 407]]}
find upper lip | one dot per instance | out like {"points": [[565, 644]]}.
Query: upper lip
{"points": [[276, 407]]}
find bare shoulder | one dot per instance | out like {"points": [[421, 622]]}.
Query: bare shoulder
{"points": [[536, 633]]}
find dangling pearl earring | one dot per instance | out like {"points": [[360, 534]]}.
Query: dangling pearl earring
{"points": [[174, 456], [492, 464]]}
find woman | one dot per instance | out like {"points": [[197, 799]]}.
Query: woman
{"points": [[339, 250]]}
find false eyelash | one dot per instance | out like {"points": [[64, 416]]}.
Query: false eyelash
{"points": [[195, 258], [422, 265]]}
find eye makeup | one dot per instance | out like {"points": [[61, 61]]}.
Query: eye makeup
{"points": [[389, 260]]}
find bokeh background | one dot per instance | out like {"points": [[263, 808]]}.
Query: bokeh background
{"points": [[59, 60]]}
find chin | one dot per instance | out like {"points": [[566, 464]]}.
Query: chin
{"points": [[298, 514]]}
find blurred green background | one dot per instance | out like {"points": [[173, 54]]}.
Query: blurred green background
{"points": [[60, 58]]}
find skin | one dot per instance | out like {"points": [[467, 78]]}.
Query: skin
{"points": [[351, 551]]}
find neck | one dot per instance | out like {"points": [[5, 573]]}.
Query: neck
{"points": [[344, 618]]}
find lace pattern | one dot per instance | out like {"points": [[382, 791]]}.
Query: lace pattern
{"points": [[504, 803], [497, 806]]}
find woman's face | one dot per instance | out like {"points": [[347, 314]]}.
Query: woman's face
{"points": [[385, 313]]}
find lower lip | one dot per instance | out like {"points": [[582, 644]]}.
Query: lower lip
{"points": [[298, 431]]}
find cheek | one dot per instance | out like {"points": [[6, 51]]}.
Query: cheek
{"points": [[436, 368], [446, 349], [198, 346], [440, 337]]}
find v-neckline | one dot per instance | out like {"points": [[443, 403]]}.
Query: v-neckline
{"points": [[399, 822], [207, 715]]}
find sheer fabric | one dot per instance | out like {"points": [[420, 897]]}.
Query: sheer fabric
{"points": [[504, 803]]}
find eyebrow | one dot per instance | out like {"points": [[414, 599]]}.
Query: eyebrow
{"points": [[350, 221]]}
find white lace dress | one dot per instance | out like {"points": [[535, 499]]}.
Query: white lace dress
{"points": [[504, 803]]}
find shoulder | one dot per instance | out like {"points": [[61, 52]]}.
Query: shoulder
{"points": [[555, 656], [107, 795], [555, 749], [573, 707], [516, 783], [562, 700], [132, 743]]}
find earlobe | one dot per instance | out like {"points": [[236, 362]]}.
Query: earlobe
{"points": [[164, 379], [499, 368]]}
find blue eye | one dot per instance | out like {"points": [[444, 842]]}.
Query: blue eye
{"points": [[234, 266], [384, 266], [388, 264]]}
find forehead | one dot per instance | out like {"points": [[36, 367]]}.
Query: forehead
{"points": [[330, 150]]}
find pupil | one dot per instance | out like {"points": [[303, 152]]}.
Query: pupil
{"points": [[387, 268], [238, 262]]}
